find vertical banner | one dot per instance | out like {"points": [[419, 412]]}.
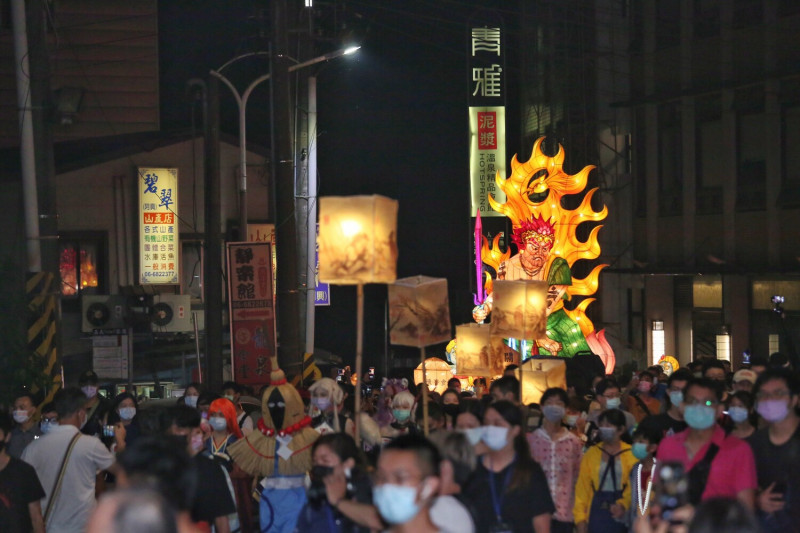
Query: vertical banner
{"points": [[158, 226], [252, 311], [487, 117]]}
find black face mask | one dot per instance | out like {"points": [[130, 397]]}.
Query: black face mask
{"points": [[451, 410], [316, 493]]}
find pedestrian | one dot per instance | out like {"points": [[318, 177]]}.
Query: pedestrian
{"points": [[123, 409], [640, 402], [559, 452], [133, 511], [233, 392], [518, 497], [26, 428], [325, 409], [602, 493], [645, 445], [67, 463], [671, 421], [225, 431], [740, 412], [450, 405], [452, 508], [97, 407], [20, 490], [190, 395], [406, 484], [776, 449], [716, 464]]}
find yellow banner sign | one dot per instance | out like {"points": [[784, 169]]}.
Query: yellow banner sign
{"points": [[158, 226]]}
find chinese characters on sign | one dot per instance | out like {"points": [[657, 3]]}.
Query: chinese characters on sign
{"points": [[250, 287], [486, 118], [158, 226]]}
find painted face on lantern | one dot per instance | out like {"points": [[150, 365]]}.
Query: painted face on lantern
{"points": [[534, 255]]}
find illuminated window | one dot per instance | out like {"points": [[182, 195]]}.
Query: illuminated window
{"points": [[79, 263], [658, 342]]}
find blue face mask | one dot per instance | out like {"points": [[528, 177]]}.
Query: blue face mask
{"points": [[699, 416], [738, 414], [47, 426], [401, 415], [473, 435], [639, 450], [321, 403], [612, 403], [676, 398], [396, 503]]}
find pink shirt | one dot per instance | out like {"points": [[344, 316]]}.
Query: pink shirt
{"points": [[732, 470], [561, 462]]}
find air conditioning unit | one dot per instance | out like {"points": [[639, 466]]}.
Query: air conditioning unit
{"points": [[171, 313], [103, 312]]}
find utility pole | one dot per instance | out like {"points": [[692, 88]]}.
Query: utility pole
{"points": [[290, 345], [213, 238]]}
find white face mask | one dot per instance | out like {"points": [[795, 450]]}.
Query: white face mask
{"points": [[191, 401], [473, 435], [21, 416], [90, 391], [127, 413], [495, 437]]}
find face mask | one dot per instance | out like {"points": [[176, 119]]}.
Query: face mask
{"points": [[644, 386], [473, 435], [197, 442], [607, 434], [218, 423], [321, 403], [639, 450], [90, 391], [47, 426], [553, 413], [495, 437], [699, 416], [191, 401], [319, 472], [571, 420], [401, 415], [21, 416], [396, 504], [738, 414], [228, 397], [612, 403], [450, 410], [773, 410], [127, 413], [676, 398]]}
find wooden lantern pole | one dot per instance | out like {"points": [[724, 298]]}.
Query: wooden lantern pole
{"points": [[359, 350], [424, 393]]}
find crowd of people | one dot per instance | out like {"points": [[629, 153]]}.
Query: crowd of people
{"points": [[701, 449]]}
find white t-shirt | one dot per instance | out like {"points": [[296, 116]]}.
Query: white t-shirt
{"points": [[450, 516], [76, 498]]}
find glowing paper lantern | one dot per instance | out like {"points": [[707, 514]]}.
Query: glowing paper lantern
{"points": [[537, 375], [473, 350], [419, 311], [357, 240], [520, 309], [357, 245], [437, 373]]}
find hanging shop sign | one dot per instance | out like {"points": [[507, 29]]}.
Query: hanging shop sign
{"points": [[158, 226]]}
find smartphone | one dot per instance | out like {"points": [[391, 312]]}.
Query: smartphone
{"points": [[108, 431], [672, 488]]}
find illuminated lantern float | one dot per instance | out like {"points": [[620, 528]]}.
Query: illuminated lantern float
{"points": [[544, 232]]}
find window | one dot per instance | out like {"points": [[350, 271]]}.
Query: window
{"points": [[669, 160], [81, 261], [709, 154], [751, 150]]}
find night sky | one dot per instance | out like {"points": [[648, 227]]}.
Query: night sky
{"points": [[392, 120]]}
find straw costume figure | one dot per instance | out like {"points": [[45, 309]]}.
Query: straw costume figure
{"points": [[279, 450]]}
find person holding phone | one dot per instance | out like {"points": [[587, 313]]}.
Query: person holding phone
{"points": [[776, 449]]}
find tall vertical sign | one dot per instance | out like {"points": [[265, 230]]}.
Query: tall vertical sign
{"points": [[158, 226], [252, 311], [487, 117]]}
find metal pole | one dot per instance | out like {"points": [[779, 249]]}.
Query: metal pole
{"points": [[424, 393], [197, 347], [27, 154], [311, 198]]}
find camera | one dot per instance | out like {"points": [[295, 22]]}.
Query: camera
{"points": [[673, 488]]}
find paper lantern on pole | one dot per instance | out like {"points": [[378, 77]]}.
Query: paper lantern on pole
{"points": [[419, 311], [473, 350], [437, 374], [357, 240], [537, 375], [520, 309], [357, 245]]}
